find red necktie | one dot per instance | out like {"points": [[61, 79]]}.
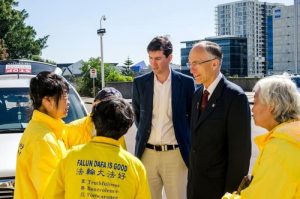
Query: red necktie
{"points": [[204, 100]]}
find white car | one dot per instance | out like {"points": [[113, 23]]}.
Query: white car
{"points": [[16, 110]]}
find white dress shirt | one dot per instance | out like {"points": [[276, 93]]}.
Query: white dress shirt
{"points": [[213, 85], [162, 130]]}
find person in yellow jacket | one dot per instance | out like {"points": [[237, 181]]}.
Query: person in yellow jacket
{"points": [[102, 168], [276, 173], [46, 138]]}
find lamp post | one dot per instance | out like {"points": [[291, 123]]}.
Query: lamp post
{"points": [[101, 32]]}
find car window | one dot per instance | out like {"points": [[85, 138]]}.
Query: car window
{"points": [[16, 109]]}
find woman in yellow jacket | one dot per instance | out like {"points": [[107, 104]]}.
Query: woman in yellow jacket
{"points": [[276, 173], [46, 138], [101, 168]]}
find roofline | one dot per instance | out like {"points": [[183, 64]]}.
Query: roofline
{"points": [[28, 60]]}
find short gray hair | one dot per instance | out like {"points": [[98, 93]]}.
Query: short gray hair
{"points": [[212, 48], [280, 93]]}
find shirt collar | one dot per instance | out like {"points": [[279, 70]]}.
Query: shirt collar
{"points": [[57, 125], [106, 140], [214, 84]]}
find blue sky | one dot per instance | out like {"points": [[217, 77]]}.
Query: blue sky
{"points": [[130, 25]]}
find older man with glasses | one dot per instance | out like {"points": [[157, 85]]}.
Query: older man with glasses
{"points": [[220, 127]]}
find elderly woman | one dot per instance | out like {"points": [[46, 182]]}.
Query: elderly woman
{"points": [[276, 173]]}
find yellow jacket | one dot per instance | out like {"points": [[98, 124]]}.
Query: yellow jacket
{"points": [[99, 169], [276, 171], [43, 144]]}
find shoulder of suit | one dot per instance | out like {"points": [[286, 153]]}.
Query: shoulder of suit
{"points": [[232, 87], [143, 77], [182, 76]]}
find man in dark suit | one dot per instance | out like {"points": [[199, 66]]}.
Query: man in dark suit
{"points": [[162, 103], [220, 124]]}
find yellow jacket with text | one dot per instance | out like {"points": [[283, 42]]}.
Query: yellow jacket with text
{"points": [[44, 143], [276, 171], [99, 169]]}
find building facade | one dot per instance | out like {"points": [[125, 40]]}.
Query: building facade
{"points": [[234, 49], [247, 18], [286, 39]]}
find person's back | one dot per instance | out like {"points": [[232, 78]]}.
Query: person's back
{"points": [[102, 168]]}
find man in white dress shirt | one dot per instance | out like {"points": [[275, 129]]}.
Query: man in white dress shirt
{"points": [[162, 104]]}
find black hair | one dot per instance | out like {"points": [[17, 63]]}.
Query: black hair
{"points": [[161, 43], [47, 84], [112, 118]]}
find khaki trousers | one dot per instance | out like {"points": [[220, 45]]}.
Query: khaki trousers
{"points": [[166, 169]]}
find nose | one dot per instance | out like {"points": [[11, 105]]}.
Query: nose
{"points": [[153, 62], [192, 69]]}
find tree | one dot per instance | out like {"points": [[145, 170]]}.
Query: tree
{"points": [[3, 50], [111, 74], [126, 68], [20, 39]]}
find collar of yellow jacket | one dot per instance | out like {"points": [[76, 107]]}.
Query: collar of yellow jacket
{"points": [[106, 140], [57, 125], [289, 131]]}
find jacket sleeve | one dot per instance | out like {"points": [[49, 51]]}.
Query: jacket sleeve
{"points": [[81, 131], [275, 175], [45, 158], [238, 142], [56, 185], [136, 102], [78, 132]]}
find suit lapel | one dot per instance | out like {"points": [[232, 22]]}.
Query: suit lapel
{"points": [[196, 107], [176, 89], [149, 86], [212, 102]]}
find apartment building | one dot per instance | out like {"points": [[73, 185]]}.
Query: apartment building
{"points": [[247, 18], [286, 34], [234, 62]]}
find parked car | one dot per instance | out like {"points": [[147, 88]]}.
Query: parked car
{"points": [[16, 111]]}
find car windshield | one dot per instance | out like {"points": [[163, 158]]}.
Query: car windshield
{"points": [[16, 109]]}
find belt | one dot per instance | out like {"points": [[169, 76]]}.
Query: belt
{"points": [[164, 147]]}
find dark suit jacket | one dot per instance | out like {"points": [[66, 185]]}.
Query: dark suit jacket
{"points": [[142, 101], [220, 143]]}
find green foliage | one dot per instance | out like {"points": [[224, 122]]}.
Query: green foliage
{"points": [[85, 83], [126, 68], [20, 39], [3, 50]]}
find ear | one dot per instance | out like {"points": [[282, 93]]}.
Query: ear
{"points": [[170, 57], [216, 64], [48, 102], [271, 109]]}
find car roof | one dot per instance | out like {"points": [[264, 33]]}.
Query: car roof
{"points": [[26, 67]]}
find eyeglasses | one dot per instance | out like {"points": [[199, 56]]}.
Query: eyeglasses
{"points": [[194, 63]]}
